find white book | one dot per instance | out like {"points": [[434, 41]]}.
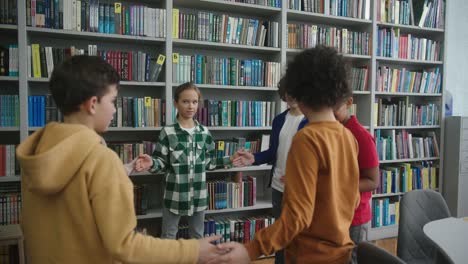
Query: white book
{"points": [[29, 61], [73, 15], [49, 61], [424, 14], [78, 15]]}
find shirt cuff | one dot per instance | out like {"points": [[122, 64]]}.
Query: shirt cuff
{"points": [[253, 248], [155, 166]]}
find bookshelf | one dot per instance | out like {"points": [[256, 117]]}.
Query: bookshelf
{"points": [[365, 58]]}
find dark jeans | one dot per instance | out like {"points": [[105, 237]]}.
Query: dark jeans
{"points": [[357, 234], [277, 199]]}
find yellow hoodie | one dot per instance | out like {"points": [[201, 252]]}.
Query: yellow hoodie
{"points": [[78, 203]]}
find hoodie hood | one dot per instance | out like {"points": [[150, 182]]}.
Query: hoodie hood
{"points": [[51, 157]]}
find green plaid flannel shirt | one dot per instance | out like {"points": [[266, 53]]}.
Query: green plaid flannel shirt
{"points": [[185, 159]]}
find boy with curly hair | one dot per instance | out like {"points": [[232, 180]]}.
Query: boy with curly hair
{"points": [[322, 172]]}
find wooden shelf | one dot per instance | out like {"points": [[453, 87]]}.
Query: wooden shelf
{"points": [[222, 128], [120, 129], [407, 61], [232, 87], [261, 204], [407, 160], [16, 178], [295, 15], [232, 7], [9, 129], [382, 195], [186, 43], [407, 94], [234, 169], [71, 34], [8, 27], [346, 55], [413, 29], [407, 127], [9, 78]]}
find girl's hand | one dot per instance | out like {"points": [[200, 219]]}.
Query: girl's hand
{"points": [[144, 162]]}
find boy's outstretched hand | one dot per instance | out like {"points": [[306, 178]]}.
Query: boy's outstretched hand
{"points": [[143, 162], [207, 250], [243, 158], [233, 253]]}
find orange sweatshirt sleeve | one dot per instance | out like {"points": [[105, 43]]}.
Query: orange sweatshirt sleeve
{"points": [[298, 201], [112, 201]]}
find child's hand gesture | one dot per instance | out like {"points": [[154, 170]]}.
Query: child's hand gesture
{"points": [[244, 158], [143, 162]]}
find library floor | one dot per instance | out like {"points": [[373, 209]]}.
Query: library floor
{"points": [[387, 244]]}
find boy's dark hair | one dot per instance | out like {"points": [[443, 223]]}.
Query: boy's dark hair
{"points": [[318, 77], [282, 88], [186, 86], [79, 78]]}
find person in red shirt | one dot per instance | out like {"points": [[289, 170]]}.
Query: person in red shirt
{"points": [[368, 169]]}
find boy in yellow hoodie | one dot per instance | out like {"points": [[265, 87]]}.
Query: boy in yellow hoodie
{"points": [[77, 197]]}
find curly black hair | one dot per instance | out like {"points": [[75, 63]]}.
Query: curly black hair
{"points": [[318, 77], [79, 78]]}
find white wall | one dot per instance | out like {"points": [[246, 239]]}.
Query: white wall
{"points": [[456, 64]]}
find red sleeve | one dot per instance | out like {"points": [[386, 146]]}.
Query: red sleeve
{"points": [[367, 156]]}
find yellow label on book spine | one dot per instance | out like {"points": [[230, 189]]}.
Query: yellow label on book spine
{"points": [[175, 57], [118, 8], [147, 101], [161, 59]]}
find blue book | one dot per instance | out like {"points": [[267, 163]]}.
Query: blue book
{"points": [[106, 18], [101, 19], [112, 20]]}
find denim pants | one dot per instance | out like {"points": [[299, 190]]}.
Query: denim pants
{"points": [[170, 224]]}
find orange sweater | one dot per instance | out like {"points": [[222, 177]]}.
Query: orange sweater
{"points": [[321, 194]]}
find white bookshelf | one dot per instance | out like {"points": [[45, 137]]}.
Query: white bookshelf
{"points": [[261, 204], [164, 89]]}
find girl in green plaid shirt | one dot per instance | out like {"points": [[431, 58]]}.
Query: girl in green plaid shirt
{"points": [[185, 151]]}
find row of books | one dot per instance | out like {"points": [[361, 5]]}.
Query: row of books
{"points": [[231, 195], [229, 147], [403, 113], [127, 151], [95, 16], [9, 254], [395, 12], [10, 204], [408, 81], [235, 113], [422, 13], [302, 36], [347, 8], [42, 110], [9, 111], [360, 78], [404, 145], [272, 3], [430, 13], [9, 64], [240, 230], [140, 198], [393, 44], [385, 212], [222, 28], [203, 69], [37, 110], [131, 65], [8, 163], [406, 177], [8, 12], [139, 112]]}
